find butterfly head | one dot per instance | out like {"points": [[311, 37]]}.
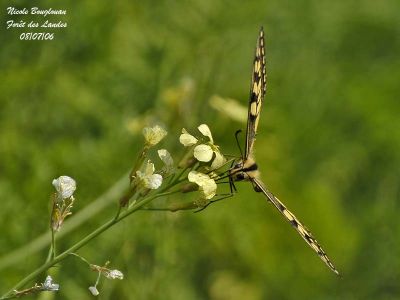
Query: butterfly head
{"points": [[244, 170]]}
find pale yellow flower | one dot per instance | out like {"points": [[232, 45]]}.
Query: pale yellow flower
{"points": [[147, 178], [187, 139], [63, 200], [65, 187], [153, 135], [218, 161], [207, 186], [204, 152], [205, 130]]}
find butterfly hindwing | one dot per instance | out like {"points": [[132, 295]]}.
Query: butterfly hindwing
{"points": [[257, 92], [296, 224]]}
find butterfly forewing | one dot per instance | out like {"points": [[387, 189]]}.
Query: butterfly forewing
{"points": [[247, 169], [257, 92], [296, 224]]}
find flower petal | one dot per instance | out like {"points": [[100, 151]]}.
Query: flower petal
{"points": [[207, 186], [203, 128], [165, 156], [197, 177], [153, 135], [152, 182], [114, 274], [218, 161], [149, 168], [65, 186], [48, 285], [187, 139], [203, 153], [209, 189]]}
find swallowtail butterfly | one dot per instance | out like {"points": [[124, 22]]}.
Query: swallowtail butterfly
{"points": [[246, 168]]}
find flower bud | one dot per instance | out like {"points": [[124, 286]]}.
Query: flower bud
{"points": [[94, 290]]}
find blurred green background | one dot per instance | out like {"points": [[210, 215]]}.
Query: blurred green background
{"points": [[328, 145]]}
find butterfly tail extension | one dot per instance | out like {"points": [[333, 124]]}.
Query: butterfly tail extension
{"points": [[296, 224]]}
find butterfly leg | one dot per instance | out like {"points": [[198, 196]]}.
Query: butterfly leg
{"points": [[224, 196]]}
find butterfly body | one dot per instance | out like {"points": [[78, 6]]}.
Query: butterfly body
{"points": [[246, 168]]}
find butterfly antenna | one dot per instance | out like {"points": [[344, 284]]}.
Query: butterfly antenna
{"points": [[237, 142]]}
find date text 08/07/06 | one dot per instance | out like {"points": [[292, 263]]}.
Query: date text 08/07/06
{"points": [[38, 36]]}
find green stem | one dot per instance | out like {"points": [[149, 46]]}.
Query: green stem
{"points": [[80, 257], [173, 207], [118, 212], [52, 249], [49, 255], [180, 174], [53, 242], [85, 240], [139, 162], [126, 197]]}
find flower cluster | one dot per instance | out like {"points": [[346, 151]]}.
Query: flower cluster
{"points": [[148, 179], [143, 176], [203, 161], [208, 155], [63, 200], [204, 148]]}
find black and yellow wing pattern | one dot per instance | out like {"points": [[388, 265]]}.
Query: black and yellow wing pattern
{"points": [[247, 168], [257, 92], [296, 224]]}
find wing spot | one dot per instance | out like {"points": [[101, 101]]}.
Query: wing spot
{"points": [[294, 223], [253, 109]]}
